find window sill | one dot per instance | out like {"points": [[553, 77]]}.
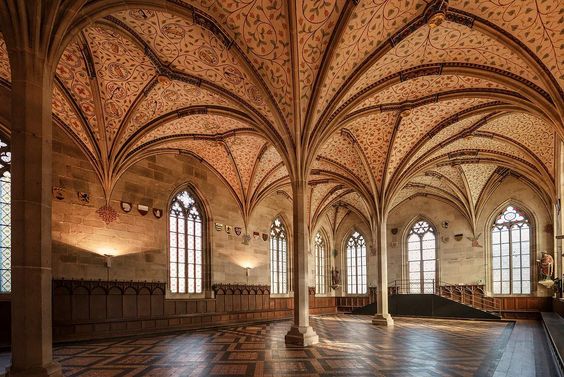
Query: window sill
{"points": [[282, 295], [186, 296]]}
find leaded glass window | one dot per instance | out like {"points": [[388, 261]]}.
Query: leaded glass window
{"points": [[186, 237], [320, 264], [421, 258], [356, 264], [5, 220], [278, 257], [511, 253]]}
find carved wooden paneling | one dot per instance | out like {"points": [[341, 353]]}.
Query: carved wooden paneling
{"points": [[93, 309]]}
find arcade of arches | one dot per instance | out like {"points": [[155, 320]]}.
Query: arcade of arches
{"points": [[170, 165]]}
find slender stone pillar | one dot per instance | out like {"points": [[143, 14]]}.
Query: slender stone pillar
{"points": [[382, 317], [31, 217], [301, 333]]}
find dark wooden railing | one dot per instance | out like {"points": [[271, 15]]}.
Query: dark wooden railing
{"points": [[472, 295]]}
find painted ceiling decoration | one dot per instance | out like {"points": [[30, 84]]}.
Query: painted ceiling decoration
{"points": [[384, 100]]}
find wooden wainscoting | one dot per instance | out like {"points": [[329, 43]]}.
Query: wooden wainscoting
{"points": [[347, 304], [558, 306], [524, 307], [96, 309]]}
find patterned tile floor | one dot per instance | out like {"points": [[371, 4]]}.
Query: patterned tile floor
{"points": [[350, 346]]}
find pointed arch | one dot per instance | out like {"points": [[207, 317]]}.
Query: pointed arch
{"points": [[356, 260], [279, 260], [511, 243], [189, 246], [421, 255], [322, 261]]}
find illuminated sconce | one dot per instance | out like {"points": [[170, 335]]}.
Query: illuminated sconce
{"points": [[108, 260], [247, 271]]}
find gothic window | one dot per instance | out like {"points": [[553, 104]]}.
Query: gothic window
{"points": [[278, 257], [320, 264], [356, 264], [511, 253], [186, 250], [5, 221], [422, 258]]}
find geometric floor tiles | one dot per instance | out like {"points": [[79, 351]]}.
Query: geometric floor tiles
{"points": [[349, 346]]}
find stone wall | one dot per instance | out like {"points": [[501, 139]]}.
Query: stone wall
{"points": [[80, 237], [459, 262]]}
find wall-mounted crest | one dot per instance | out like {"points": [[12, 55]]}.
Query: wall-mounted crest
{"points": [[83, 197], [58, 193], [107, 214], [142, 209], [125, 206], [444, 224], [265, 237], [256, 235], [445, 239], [237, 230], [458, 237], [218, 227], [394, 231], [158, 213], [228, 229]]}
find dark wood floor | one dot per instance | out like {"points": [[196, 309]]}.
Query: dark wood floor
{"points": [[350, 346]]}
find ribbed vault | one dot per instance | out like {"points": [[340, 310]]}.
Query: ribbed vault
{"points": [[372, 101]]}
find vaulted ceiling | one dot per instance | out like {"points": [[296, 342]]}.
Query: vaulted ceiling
{"points": [[380, 100]]}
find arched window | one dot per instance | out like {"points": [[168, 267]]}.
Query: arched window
{"points": [[320, 264], [278, 257], [356, 264], [422, 258], [511, 253], [186, 244], [5, 221]]}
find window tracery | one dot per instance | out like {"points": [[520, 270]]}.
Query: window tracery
{"points": [[356, 264], [186, 244]]}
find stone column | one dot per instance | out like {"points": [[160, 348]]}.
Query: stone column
{"points": [[301, 333], [31, 216], [382, 317]]}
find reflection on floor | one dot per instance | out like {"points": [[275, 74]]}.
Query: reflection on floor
{"points": [[350, 346]]}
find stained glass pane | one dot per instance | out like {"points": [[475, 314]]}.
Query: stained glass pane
{"points": [[186, 234], [356, 264], [278, 257], [5, 221], [421, 257], [510, 238]]}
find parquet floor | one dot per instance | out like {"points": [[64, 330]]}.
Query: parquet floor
{"points": [[350, 346]]}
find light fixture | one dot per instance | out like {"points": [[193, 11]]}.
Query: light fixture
{"points": [[247, 270], [108, 260]]}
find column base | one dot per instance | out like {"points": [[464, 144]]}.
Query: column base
{"points": [[51, 370], [302, 336], [380, 320]]}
